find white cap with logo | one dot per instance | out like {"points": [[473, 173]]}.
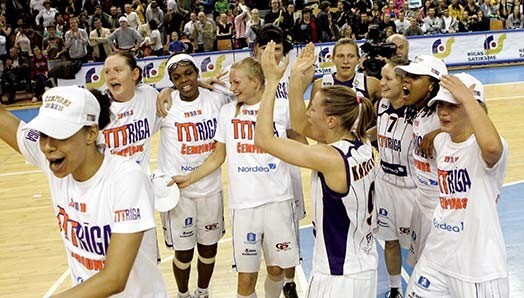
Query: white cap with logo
{"points": [[166, 197], [424, 65], [65, 110], [123, 19], [468, 80]]}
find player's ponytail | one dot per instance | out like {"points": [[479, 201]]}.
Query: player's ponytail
{"points": [[355, 112], [104, 100]]}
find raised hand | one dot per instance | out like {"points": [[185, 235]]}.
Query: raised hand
{"points": [[303, 70], [273, 71]]}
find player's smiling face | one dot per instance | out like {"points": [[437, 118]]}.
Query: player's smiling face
{"points": [[120, 78], [185, 79], [68, 156], [345, 59], [390, 83], [453, 120], [244, 88]]}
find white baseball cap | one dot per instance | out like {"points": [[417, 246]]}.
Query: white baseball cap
{"points": [[166, 197], [424, 65], [123, 19], [468, 80], [65, 110], [175, 59]]}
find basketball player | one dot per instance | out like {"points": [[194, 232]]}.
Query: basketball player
{"points": [[346, 58], [345, 257], [133, 109], [103, 203], [186, 141], [421, 84], [465, 254], [260, 190], [267, 33], [395, 188]]}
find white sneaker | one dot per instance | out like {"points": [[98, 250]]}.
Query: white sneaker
{"points": [[199, 294], [35, 99]]}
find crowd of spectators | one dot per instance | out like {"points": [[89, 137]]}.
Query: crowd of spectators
{"points": [[37, 35]]}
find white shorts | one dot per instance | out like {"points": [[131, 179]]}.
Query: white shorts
{"points": [[270, 229], [426, 282], [362, 285], [298, 193], [420, 228], [194, 220], [394, 207]]}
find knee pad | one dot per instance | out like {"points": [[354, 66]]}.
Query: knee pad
{"points": [[181, 265], [207, 261]]}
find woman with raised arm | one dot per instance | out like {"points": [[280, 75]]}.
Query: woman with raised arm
{"points": [[345, 257], [103, 203]]}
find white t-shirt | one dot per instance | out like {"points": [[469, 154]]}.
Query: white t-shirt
{"points": [[117, 199], [425, 168], [158, 45], [133, 124], [187, 139], [255, 177], [466, 238], [343, 222], [394, 134]]}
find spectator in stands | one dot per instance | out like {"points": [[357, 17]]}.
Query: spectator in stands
{"points": [[83, 21], [154, 12], [224, 31], [515, 19], [125, 38], [99, 42], [471, 7], [276, 15], [305, 29], [38, 72], [413, 29], [448, 24], [53, 47], [387, 22], [346, 31], [432, 23], [482, 23], [391, 10], [154, 41], [76, 41], [189, 26], [5, 30], [16, 74], [489, 10], [362, 26], [22, 41], [455, 9], [139, 9], [441, 6], [132, 17], [401, 23], [175, 46], [203, 34], [241, 19], [114, 19], [289, 19], [325, 34], [253, 25], [402, 44], [46, 15], [99, 14], [341, 15], [466, 21]]}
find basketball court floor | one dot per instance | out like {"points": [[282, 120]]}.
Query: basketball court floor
{"points": [[33, 263]]}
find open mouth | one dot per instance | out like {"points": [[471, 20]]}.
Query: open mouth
{"points": [[56, 164], [405, 92]]}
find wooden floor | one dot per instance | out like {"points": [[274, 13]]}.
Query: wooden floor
{"points": [[32, 259]]}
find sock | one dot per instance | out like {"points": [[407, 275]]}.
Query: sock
{"points": [[288, 279], [273, 288], [184, 295], [395, 281], [253, 295]]}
